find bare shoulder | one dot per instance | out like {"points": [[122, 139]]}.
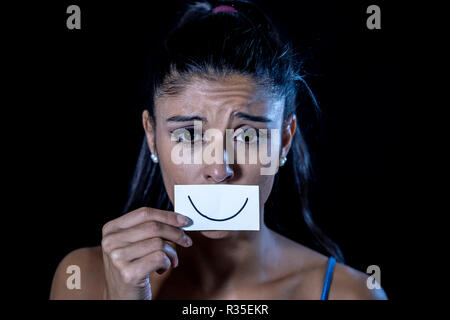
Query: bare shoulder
{"points": [[79, 275], [351, 284], [309, 273]]}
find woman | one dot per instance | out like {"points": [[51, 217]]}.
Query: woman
{"points": [[223, 65]]}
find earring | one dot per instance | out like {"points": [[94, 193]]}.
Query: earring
{"points": [[282, 161], [154, 158]]}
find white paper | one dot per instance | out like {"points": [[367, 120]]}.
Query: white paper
{"points": [[218, 206]]}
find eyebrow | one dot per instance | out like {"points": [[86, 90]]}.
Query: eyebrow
{"points": [[241, 115], [250, 117], [186, 118]]}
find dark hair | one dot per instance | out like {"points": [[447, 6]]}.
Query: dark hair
{"points": [[213, 45]]}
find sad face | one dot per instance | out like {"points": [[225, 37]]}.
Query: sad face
{"points": [[232, 102]]}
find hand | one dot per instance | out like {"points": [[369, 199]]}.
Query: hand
{"points": [[135, 245]]}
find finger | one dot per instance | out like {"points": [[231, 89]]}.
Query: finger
{"points": [[142, 215], [145, 266], [147, 230], [142, 248]]}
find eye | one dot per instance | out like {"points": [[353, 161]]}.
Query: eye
{"points": [[186, 135], [248, 135]]}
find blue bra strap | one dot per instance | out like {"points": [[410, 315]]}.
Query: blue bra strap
{"points": [[328, 278]]}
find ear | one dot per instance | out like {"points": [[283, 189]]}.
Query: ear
{"points": [[149, 127], [288, 131]]}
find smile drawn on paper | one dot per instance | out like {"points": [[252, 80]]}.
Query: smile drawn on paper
{"points": [[213, 219]]}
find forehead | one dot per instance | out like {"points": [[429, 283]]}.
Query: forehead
{"points": [[220, 97]]}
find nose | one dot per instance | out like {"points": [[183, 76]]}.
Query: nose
{"points": [[219, 172]]}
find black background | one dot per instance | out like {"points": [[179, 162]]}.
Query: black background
{"points": [[81, 100]]}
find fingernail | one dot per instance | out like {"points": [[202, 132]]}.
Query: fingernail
{"points": [[182, 219], [189, 222], [188, 240]]}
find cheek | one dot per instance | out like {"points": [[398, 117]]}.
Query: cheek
{"points": [[168, 169], [265, 187], [177, 174], [252, 175], [172, 173]]}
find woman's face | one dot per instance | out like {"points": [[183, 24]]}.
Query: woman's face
{"points": [[235, 102]]}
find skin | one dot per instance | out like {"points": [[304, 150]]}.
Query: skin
{"points": [[146, 255]]}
